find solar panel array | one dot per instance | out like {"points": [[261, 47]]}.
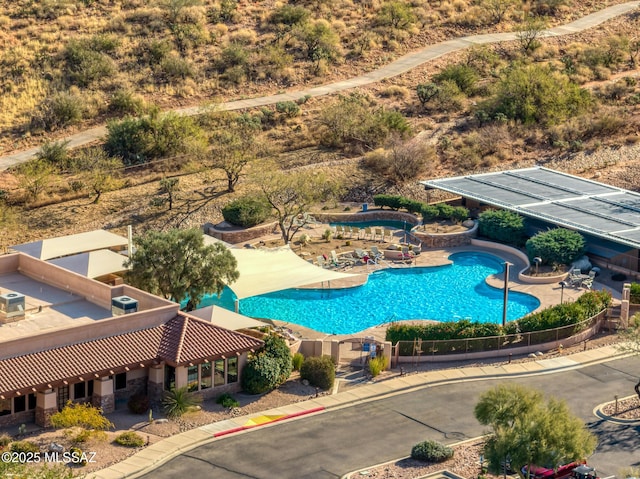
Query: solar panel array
{"points": [[559, 198]]}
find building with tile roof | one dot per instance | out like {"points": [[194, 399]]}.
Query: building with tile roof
{"points": [[65, 337]]}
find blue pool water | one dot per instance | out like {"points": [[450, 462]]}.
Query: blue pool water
{"points": [[399, 225], [442, 293]]}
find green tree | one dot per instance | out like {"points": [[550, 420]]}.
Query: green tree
{"points": [[291, 195], [502, 225], [35, 176], [528, 33], [397, 15], [536, 94], [232, 149], [169, 187], [426, 92], [99, 171], [285, 18], [320, 40], [497, 9], [186, 28], [277, 348], [530, 431], [178, 266]]}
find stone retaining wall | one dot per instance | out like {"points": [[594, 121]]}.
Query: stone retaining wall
{"points": [[371, 215], [243, 235], [446, 240]]}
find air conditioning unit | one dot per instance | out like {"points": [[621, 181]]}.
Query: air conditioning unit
{"points": [[12, 305], [123, 305]]}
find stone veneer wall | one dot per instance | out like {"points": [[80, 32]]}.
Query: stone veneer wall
{"points": [[106, 403], [446, 240], [241, 235], [137, 385], [42, 416], [371, 215], [18, 418]]}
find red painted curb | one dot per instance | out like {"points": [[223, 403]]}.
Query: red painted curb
{"points": [[288, 416]]}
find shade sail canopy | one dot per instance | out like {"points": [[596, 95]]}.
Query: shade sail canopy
{"points": [[226, 319], [265, 270], [93, 264], [72, 244]]}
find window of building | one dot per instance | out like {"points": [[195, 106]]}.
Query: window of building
{"points": [[19, 404], [232, 370], [63, 397], [205, 376], [169, 377], [31, 404], [218, 375], [79, 390], [192, 378], [5, 407], [120, 381]]}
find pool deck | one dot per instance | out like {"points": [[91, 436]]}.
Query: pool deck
{"points": [[547, 294]]}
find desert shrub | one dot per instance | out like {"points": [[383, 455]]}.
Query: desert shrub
{"points": [[125, 101], [139, 403], [77, 456], [377, 365], [502, 225], [426, 92], [635, 293], [247, 211], [85, 63], [431, 451], [297, 360], [55, 153], [24, 446], [289, 109], [154, 51], [58, 111], [319, 371], [227, 400], [260, 374], [534, 94], [402, 161], [449, 97], [129, 439], [353, 123], [396, 15], [82, 415], [175, 69], [556, 246], [139, 140], [464, 76], [178, 401], [5, 440]]}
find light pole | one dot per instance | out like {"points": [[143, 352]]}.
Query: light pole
{"points": [[537, 260], [562, 286], [506, 293]]}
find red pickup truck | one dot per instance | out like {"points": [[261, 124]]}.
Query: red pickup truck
{"points": [[573, 470]]}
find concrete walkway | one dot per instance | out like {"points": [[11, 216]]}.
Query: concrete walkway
{"points": [[398, 67], [160, 452]]}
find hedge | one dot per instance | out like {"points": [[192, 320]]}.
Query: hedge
{"points": [[635, 293], [247, 211], [319, 371], [442, 211], [502, 225], [556, 246]]}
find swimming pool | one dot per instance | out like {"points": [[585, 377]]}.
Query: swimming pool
{"points": [[443, 293], [395, 224]]}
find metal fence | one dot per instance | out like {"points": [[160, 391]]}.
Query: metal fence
{"points": [[419, 348]]}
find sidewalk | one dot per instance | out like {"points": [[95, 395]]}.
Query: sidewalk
{"points": [[160, 452], [395, 68]]}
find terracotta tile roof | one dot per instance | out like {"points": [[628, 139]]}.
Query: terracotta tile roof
{"points": [[188, 339], [180, 340], [71, 362]]}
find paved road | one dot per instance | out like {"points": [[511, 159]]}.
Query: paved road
{"points": [[399, 66], [338, 441]]}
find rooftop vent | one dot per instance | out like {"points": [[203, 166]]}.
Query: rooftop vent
{"points": [[12, 305], [123, 305]]}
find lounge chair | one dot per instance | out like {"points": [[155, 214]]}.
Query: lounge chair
{"points": [[367, 233], [376, 254], [588, 282], [322, 262], [378, 234], [575, 277], [342, 261], [340, 231], [407, 255], [364, 256], [355, 233]]}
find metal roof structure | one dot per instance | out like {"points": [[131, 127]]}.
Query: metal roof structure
{"points": [[559, 198]]}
